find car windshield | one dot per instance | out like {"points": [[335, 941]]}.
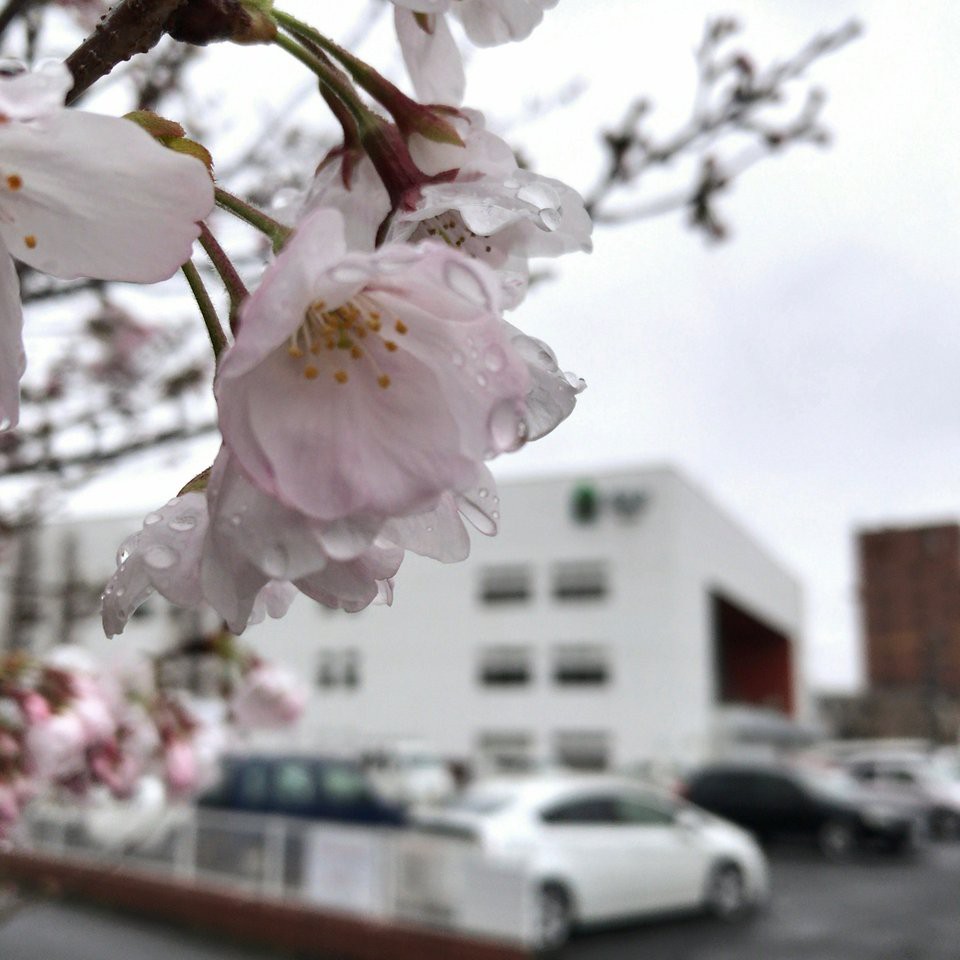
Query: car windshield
{"points": [[830, 783]]}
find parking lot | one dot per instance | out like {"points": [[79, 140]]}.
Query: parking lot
{"points": [[872, 908]]}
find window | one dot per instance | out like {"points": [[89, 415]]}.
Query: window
{"points": [[583, 749], [293, 785], [252, 786], [580, 580], [507, 750], [581, 665], [584, 810], [505, 666], [339, 668], [505, 585]]}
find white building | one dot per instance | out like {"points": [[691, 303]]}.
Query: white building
{"points": [[617, 620]]}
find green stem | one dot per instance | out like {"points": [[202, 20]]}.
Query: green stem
{"points": [[218, 339], [311, 35], [277, 232], [234, 285], [327, 74]]}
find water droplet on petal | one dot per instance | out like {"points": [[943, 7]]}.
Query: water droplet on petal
{"points": [[481, 379], [483, 492], [183, 523], [550, 218], [275, 562], [495, 514], [349, 273], [465, 282], [160, 557], [476, 514], [494, 359], [120, 591], [123, 555], [236, 520], [457, 358], [539, 194], [508, 430], [151, 518]]}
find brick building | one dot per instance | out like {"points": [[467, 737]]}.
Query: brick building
{"points": [[910, 615]]}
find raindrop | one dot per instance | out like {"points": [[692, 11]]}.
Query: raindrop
{"points": [[458, 358], [535, 351], [120, 591], [160, 557], [483, 492], [539, 194], [123, 555], [550, 218], [183, 523], [236, 520], [349, 273], [511, 183], [481, 379], [494, 359], [476, 515], [151, 518], [429, 529], [463, 281], [508, 430], [495, 514]]}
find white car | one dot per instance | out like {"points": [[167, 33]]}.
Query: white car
{"points": [[601, 848], [931, 783]]}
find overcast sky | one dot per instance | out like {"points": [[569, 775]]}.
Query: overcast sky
{"points": [[805, 373]]}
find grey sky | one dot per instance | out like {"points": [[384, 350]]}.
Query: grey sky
{"points": [[805, 373]]}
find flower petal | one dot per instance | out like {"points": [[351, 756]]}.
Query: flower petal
{"points": [[356, 584], [98, 197], [13, 360], [35, 93], [432, 58]]}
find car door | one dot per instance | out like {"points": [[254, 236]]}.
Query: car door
{"points": [[584, 839], [784, 809], [667, 863]]}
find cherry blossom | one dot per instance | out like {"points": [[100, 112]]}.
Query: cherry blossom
{"points": [[492, 210], [430, 51], [84, 195], [267, 697], [362, 386]]}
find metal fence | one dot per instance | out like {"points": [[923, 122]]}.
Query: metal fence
{"points": [[380, 873]]}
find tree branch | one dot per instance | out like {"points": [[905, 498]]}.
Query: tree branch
{"points": [[131, 27]]}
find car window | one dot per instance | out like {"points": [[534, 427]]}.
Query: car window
{"points": [[584, 810], [644, 811], [340, 783], [293, 784], [904, 777], [252, 785]]}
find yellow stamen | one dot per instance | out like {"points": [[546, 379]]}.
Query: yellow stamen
{"points": [[14, 182], [30, 240], [341, 376], [390, 345], [384, 381], [311, 372], [400, 327], [356, 353]]}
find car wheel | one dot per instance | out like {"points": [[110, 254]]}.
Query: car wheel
{"points": [[726, 895], [945, 824], [554, 916], [836, 839]]}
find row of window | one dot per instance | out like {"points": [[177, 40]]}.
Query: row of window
{"points": [[574, 581], [516, 750], [571, 665]]}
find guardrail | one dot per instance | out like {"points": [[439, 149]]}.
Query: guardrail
{"points": [[386, 875]]}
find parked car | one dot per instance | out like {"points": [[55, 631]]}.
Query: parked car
{"points": [[409, 772], [321, 788], [803, 803], [601, 848], [931, 783]]}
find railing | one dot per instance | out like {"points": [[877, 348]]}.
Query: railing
{"points": [[378, 873]]}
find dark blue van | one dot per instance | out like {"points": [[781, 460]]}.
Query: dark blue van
{"points": [[315, 788]]}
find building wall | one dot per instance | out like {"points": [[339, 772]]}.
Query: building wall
{"points": [[910, 597], [636, 620]]}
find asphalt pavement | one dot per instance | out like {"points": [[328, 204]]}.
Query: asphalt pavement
{"points": [[872, 908]]}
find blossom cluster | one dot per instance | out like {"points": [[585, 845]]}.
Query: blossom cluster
{"points": [[66, 727], [363, 387]]}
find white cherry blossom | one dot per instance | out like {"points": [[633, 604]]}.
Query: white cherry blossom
{"points": [[83, 195], [362, 386], [430, 52]]}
